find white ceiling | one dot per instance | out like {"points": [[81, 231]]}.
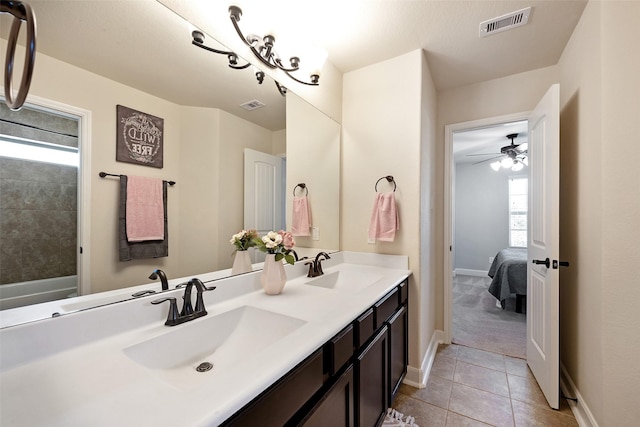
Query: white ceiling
{"points": [[142, 44]]}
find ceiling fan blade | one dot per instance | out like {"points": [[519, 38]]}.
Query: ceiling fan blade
{"points": [[487, 160]]}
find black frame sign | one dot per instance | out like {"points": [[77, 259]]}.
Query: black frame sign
{"points": [[139, 137]]}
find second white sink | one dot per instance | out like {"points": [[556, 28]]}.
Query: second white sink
{"points": [[347, 278], [222, 340]]}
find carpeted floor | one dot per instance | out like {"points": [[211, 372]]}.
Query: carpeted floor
{"points": [[478, 323]]}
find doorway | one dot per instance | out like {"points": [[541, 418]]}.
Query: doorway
{"points": [[45, 192], [479, 213]]}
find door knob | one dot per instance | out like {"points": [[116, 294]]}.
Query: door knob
{"points": [[546, 262], [557, 263]]}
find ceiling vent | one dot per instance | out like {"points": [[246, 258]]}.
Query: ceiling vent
{"points": [[505, 22], [252, 105]]}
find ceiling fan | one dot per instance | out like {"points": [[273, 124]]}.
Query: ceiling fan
{"points": [[512, 154]]}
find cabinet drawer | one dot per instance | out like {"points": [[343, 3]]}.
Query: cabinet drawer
{"points": [[279, 403], [404, 292], [365, 327], [385, 307], [339, 350]]}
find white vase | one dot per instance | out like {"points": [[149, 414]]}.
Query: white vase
{"points": [[241, 263], [273, 276]]}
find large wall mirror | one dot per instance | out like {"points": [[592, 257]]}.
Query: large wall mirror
{"points": [[94, 55]]}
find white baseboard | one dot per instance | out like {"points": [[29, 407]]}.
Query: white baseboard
{"points": [[468, 272], [417, 377], [583, 415]]}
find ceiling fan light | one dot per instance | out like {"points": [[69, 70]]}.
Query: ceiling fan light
{"points": [[495, 166], [506, 163], [517, 166]]}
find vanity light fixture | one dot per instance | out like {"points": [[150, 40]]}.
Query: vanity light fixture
{"points": [[263, 49]]}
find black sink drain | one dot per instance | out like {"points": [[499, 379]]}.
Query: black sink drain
{"points": [[204, 367]]}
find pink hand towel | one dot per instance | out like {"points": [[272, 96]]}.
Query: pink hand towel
{"points": [[384, 218], [301, 222], [145, 211]]}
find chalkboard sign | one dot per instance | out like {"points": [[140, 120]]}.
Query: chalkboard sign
{"points": [[139, 137]]}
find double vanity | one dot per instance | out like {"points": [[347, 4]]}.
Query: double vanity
{"points": [[328, 350]]}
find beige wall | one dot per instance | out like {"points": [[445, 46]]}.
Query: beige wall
{"points": [[600, 93], [428, 304], [313, 158], [382, 133], [205, 206], [580, 208], [621, 212]]}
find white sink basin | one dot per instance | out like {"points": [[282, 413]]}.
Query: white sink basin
{"points": [[223, 340], [347, 278]]}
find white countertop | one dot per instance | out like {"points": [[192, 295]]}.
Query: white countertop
{"points": [[72, 370]]}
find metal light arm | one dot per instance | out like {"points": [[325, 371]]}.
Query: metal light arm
{"points": [[264, 50], [198, 40]]}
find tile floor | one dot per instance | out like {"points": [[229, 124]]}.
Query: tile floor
{"points": [[471, 387]]}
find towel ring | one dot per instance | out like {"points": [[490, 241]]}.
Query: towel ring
{"points": [[303, 186], [389, 179]]}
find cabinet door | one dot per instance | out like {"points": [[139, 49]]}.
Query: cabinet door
{"points": [[372, 380], [336, 407], [398, 350]]}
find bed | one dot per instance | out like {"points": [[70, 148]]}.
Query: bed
{"points": [[509, 273]]}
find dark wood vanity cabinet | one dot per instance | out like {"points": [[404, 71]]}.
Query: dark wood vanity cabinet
{"points": [[372, 379], [350, 381]]}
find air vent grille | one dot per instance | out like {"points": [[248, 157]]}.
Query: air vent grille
{"points": [[505, 22], [252, 105]]}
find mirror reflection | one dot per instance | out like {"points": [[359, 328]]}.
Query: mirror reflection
{"points": [[92, 58]]}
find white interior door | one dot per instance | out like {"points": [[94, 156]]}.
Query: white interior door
{"points": [[263, 194], [543, 351]]}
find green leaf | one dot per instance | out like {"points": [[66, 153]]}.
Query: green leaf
{"points": [[290, 259], [279, 256]]}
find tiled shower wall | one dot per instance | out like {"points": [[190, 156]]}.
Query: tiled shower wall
{"points": [[38, 202]]}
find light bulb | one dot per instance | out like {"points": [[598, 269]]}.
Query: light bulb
{"points": [[495, 166], [507, 163]]}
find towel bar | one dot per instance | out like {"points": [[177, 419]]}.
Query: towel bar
{"points": [[105, 174]]}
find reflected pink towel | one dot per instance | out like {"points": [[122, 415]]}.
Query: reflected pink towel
{"points": [[145, 211], [384, 218], [301, 224]]}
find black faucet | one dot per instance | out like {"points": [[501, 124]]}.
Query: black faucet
{"points": [[188, 312], [163, 278], [315, 266], [296, 257]]}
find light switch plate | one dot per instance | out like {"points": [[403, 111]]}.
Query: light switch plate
{"points": [[315, 233]]}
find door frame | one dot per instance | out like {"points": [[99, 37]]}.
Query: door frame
{"points": [[83, 232], [449, 208]]}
